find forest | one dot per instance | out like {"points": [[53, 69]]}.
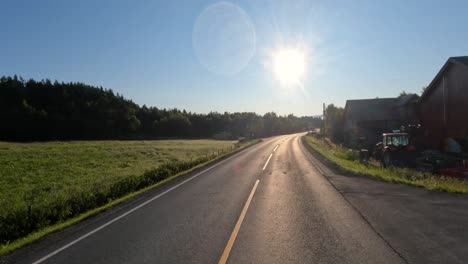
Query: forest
{"points": [[44, 110]]}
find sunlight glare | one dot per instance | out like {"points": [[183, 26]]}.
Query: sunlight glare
{"points": [[289, 65]]}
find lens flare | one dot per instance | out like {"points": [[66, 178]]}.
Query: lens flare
{"points": [[224, 38]]}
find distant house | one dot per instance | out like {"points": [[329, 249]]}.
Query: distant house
{"points": [[366, 119], [444, 104]]}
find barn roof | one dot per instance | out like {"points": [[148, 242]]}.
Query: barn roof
{"points": [[378, 108], [372, 109], [462, 60]]}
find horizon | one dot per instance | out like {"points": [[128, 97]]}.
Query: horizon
{"points": [[178, 54]]}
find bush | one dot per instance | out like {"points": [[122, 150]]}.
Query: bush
{"points": [[345, 154]]}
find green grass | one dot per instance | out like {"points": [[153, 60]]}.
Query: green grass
{"points": [[10, 246], [344, 160], [32, 171], [44, 184], [63, 165]]}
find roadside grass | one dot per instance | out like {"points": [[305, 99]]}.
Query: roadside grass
{"points": [[45, 187], [344, 160]]}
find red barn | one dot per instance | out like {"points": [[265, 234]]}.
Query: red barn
{"points": [[444, 104]]}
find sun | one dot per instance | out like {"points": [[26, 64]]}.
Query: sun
{"points": [[289, 65]]}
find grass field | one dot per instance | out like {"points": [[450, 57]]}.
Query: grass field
{"points": [[344, 160], [44, 183]]}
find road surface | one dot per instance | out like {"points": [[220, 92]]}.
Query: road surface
{"points": [[270, 203]]}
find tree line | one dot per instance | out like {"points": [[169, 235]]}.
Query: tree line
{"points": [[45, 110], [334, 123]]}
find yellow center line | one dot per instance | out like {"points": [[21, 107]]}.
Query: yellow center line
{"points": [[234, 233]]}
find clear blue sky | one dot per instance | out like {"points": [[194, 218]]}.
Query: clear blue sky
{"points": [[162, 53]]}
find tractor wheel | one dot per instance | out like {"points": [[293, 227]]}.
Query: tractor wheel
{"points": [[386, 160]]}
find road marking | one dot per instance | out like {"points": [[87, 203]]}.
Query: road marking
{"points": [[132, 210], [234, 233], [276, 148], [268, 160]]}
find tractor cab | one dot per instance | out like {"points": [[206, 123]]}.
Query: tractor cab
{"points": [[395, 149]]}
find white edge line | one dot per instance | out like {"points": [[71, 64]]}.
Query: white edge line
{"points": [[311, 158], [268, 160], [276, 148], [131, 211]]}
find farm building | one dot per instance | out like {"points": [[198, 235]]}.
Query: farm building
{"points": [[366, 119], [444, 104]]}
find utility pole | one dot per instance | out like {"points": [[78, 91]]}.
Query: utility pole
{"points": [[323, 120]]}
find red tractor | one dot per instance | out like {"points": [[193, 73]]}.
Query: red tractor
{"points": [[395, 150]]}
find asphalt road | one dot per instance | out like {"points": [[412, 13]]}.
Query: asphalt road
{"points": [[271, 203]]}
